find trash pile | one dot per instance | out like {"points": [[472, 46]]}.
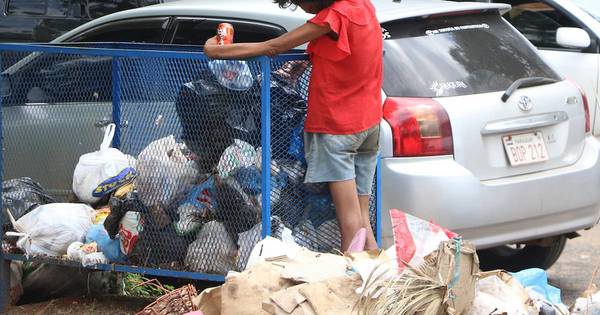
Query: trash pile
{"points": [[429, 271], [193, 204]]}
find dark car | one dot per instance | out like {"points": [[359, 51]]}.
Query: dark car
{"points": [[44, 20]]}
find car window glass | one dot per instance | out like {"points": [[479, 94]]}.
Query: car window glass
{"points": [[149, 30], [98, 8], [58, 7], [456, 55], [26, 7], [538, 22], [197, 31], [52, 78]]}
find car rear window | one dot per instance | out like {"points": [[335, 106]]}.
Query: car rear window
{"points": [[456, 55]]}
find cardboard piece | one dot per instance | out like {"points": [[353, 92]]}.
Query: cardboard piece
{"points": [[333, 296], [456, 264], [308, 266], [209, 301], [243, 293]]}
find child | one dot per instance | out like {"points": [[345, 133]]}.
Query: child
{"points": [[344, 100]]}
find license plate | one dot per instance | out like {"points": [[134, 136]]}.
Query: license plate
{"points": [[526, 148]]}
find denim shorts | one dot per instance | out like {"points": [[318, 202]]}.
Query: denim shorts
{"points": [[334, 158]]}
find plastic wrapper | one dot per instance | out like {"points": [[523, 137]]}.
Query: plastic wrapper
{"points": [[415, 238]]}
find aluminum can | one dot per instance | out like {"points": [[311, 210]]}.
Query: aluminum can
{"points": [[225, 34]]}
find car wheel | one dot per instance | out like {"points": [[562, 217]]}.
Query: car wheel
{"points": [[515, 258]]}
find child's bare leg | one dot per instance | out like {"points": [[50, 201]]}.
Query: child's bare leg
{"points": [[366, 219], [347, 208]]}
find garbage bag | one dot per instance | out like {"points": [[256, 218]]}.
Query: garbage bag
{"points": [[232, 74], [213, 251], [212, 116], [129, 230], [237, 210], [20, 196], [159, 246], [415, 238], [164, 172], [197, 208], [50, 229], [535, 280], [110, 248], [326, 238], [43, 282], [319, 208], [239, 154], [118, 208], [500, 294], [99, 173], [589, 305], [248, 240], [16, 279]]}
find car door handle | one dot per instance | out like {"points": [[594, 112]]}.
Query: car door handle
{"points": [[103, 123], [522, 123]]}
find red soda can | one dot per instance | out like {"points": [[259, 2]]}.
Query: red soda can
{"points": [[225, 34]]}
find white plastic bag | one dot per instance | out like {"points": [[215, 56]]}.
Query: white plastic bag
{"points": [[50, 229], [164, 172], [239, 154], [99, 173]]}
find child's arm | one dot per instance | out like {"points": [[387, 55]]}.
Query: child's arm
{"points": [[281, 44]]}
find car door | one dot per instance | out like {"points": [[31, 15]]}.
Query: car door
{"points": [[539, 21], [60, 103]]}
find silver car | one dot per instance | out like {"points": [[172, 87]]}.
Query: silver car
{"points": [[480, 135]]}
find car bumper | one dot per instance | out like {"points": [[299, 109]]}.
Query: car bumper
{"points": [[493, 212]]}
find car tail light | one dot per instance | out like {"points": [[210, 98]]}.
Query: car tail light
{"points": [[586, 107], [420, 127]]}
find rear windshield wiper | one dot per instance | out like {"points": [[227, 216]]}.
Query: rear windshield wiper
{"points": [[525, 82]]}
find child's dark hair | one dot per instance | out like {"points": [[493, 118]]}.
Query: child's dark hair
{"points": [[322, 4]]}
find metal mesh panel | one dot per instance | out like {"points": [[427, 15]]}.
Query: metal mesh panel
{"points": [[194, 131], [52, 96], [306, 209]]}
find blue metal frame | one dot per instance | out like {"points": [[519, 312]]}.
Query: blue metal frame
{"points": [[265, 120], [4, 261], [116, 101], [378, 201], [130, 269]]}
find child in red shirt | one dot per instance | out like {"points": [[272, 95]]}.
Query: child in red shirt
{"points": [[344, 100]]}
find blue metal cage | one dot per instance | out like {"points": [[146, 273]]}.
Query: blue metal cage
{"points": [[220, 114]]}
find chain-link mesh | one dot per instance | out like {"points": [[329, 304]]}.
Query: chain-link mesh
{"points": [[192, 129]]}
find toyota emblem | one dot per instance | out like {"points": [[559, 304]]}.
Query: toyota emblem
{"points": [[525, 103]]}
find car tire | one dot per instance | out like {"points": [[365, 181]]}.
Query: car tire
{"points": [[517, 259]]}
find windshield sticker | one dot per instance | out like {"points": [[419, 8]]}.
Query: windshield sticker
{"points": [[385, 33], [440, 88], [457, 28]]}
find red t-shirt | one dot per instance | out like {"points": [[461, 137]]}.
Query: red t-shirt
{"points": [[344, 94]]}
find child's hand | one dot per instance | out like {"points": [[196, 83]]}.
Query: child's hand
{"points": [[209, 47]]}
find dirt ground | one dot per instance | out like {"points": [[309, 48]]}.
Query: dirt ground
{"points": [[572, 274], [107, 305], [573, 271]]}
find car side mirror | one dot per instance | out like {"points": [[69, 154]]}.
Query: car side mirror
{"points": [[5, 86], [573, 37]]}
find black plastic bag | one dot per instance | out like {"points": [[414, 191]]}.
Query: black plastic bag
{"points": [[20, 196], [212, 116]]}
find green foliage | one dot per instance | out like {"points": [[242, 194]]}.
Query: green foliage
{"points": [[136, 285]]}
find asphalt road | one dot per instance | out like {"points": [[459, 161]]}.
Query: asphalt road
{"points": [[573, 272]]}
